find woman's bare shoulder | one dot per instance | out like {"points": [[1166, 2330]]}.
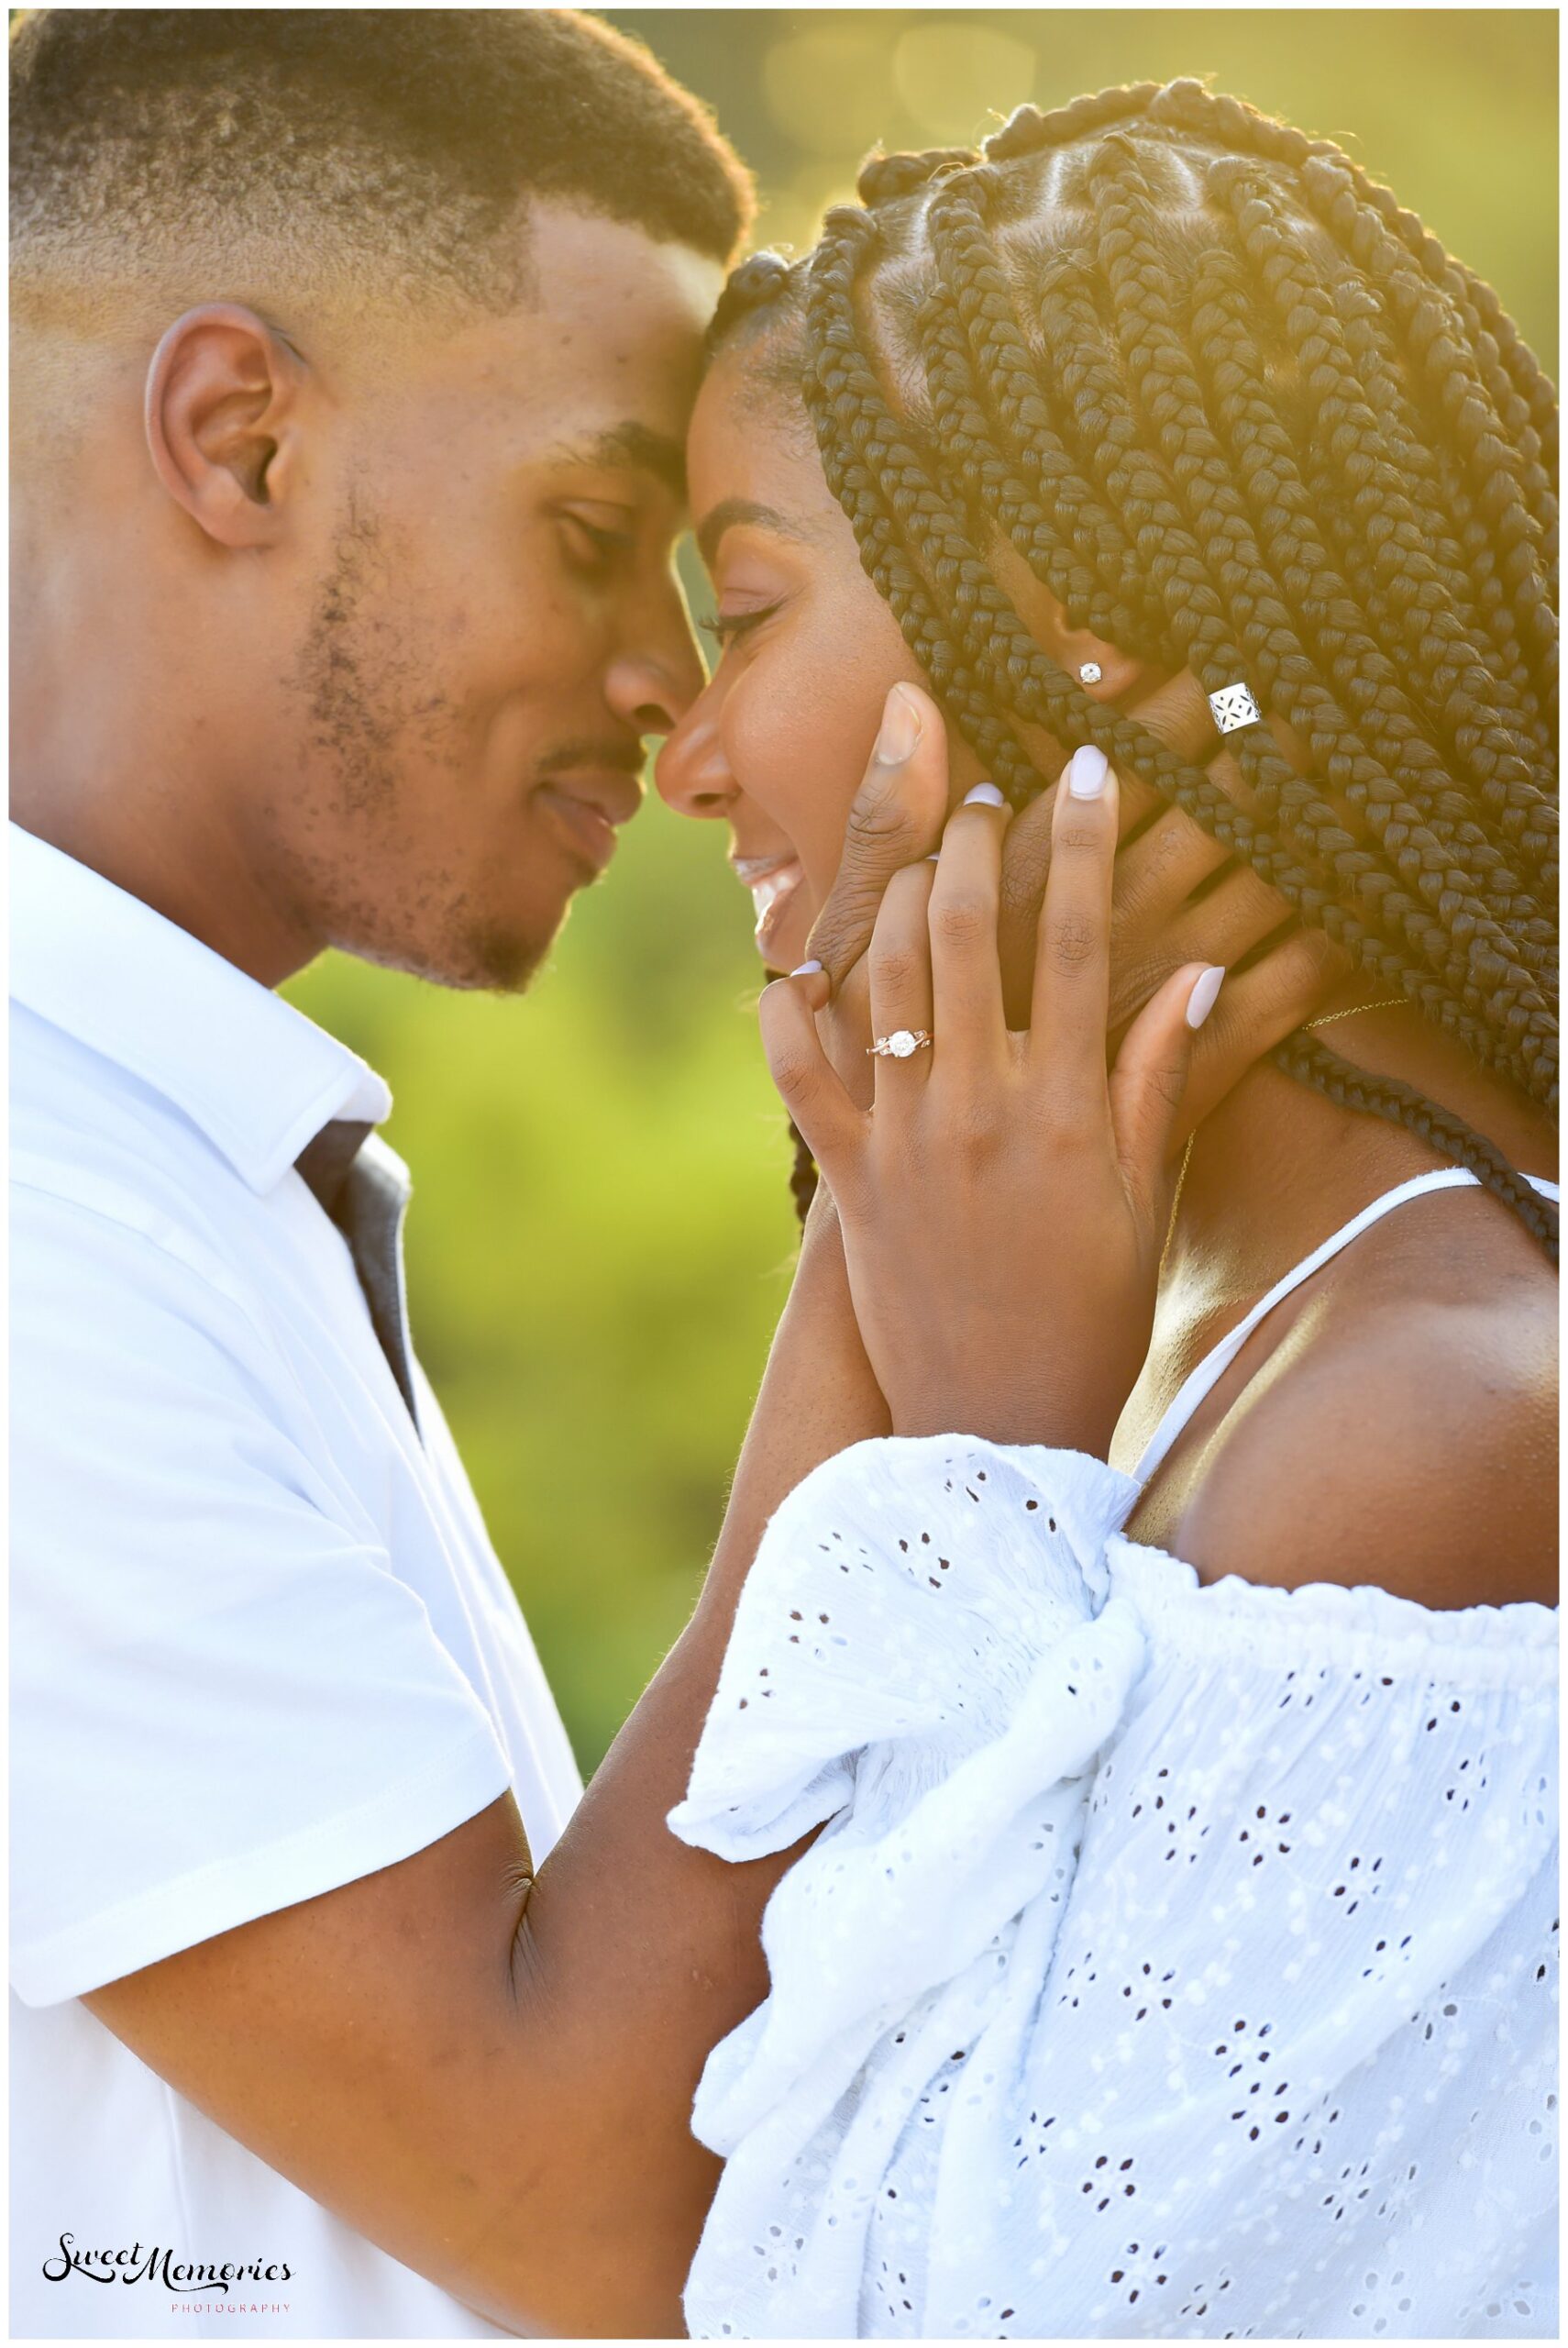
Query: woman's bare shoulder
{"points": [[1403, 1432]]}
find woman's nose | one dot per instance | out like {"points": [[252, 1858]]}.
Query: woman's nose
{"points": [[691, 773]]}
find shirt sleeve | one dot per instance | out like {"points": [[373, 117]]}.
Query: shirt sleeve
{"points": [[224, 1700], [925, 1654]]}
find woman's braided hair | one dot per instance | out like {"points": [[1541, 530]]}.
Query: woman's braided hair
{"points": [[1241, 413]]}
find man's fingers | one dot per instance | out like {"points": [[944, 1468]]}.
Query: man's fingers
{"points": [[806, 1082], [1257, 1009], [896, 819]]}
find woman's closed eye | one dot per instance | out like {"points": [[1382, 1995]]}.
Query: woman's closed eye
{"points": [[727, 626]]}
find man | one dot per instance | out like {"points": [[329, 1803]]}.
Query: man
{"points": [[352, 356]]}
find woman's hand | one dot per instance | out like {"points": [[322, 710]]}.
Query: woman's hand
{"points": [[1178, 897], [1003, 1202]]}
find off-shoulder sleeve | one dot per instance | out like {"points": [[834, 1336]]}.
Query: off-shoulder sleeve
{"points": [[925, 1655], [1172, 1958]]}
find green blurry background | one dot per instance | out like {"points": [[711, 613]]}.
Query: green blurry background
{"points": [[602, 1233]]}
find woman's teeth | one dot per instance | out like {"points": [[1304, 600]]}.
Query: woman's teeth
{"points": [[768, 890]]}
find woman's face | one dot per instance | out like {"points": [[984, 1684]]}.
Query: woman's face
{"points": [[778, 743]]}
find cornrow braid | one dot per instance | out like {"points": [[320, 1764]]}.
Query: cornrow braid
{"points": [[1242, 414]]}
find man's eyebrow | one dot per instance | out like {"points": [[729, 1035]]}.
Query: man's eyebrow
{"points": [[636, 446], [731, 512]]}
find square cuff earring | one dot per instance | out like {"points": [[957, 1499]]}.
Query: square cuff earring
{"points": [[1234, 707]]}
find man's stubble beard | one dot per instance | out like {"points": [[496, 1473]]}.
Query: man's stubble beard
{"points": [[370, 712]]}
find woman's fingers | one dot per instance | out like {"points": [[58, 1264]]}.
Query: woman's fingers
{"points": [[1257, 1008], [966, 973], [1149, 1081], [806, 1081], [1235, 914], [1072, 971], [901, 976]]}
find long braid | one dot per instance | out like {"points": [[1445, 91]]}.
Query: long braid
{"points": [[1184, 587], [1241, 413], [1283, 511], [1269, 649]]}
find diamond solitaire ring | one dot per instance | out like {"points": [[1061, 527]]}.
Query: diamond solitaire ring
{"points": [[900, 1044]]}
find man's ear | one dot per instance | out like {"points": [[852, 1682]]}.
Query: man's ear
{"points": [[223, 425]]}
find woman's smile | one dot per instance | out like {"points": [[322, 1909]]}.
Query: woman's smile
{"points": [[773, 882]]}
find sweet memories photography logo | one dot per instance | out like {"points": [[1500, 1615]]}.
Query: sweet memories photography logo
{"points": [[159, 2267]]}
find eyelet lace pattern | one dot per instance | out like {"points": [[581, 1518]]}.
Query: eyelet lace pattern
{"points": [[1176, 1960]]}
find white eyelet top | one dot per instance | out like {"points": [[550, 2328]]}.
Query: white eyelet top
{"points": [[1176, 1960]]}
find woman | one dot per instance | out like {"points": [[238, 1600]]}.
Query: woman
{"points": [[1177, 1955]]}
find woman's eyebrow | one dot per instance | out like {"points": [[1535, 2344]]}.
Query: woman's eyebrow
{"points": [[731, 512]]}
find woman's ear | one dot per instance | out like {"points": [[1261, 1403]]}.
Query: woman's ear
{"points": [[1073, 649], [223, 425]]}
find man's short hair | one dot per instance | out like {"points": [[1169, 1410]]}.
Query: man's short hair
{"points": [[409, 140]]}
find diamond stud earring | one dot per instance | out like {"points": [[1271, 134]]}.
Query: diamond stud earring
{"points": [[1089, 674]]}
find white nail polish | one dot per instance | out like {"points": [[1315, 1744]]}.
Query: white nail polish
{"points": [[1086, 771], [984, 794], [901, 728], [1200, 1002], [935, 857], [805, 970]]}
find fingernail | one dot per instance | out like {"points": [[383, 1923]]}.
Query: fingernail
{"points": [[901, 728], [1200, 1002], [1086, 771], [935, 857], [984, 794], [805, 970]]}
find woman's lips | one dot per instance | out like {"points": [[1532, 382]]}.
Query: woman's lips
{"points": [[772, 892]]}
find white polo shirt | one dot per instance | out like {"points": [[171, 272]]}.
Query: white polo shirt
{"points": [[260, 1644]]}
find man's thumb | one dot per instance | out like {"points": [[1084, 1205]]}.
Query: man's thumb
{"points": [[896, 818]]}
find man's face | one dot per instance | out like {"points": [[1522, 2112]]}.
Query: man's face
{"points": [[493, 621]]}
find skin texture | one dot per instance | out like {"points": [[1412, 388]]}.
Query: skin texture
{"points": [[420, 582], [1338, 1477]]}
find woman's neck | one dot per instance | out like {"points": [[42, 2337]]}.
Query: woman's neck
{"points": [[1278, 1167]]}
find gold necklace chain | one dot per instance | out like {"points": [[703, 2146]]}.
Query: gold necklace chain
{"points": [[1389, 1002], [1175, 1202]]}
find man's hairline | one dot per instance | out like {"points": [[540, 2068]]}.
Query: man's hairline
{"points": [[428, 309]]}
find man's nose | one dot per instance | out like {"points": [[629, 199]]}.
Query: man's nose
{"points": [[691, 774], [651, 687]]}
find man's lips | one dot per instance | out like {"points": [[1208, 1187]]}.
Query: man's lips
{"points": [[591, 806]]}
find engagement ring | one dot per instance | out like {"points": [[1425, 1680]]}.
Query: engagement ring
{"points": [[900, 1044]]}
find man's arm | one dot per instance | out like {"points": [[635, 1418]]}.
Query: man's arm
{"points": [[488, 2076]]}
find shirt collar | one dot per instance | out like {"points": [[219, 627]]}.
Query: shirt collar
{"points": [[254, 1074]]}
